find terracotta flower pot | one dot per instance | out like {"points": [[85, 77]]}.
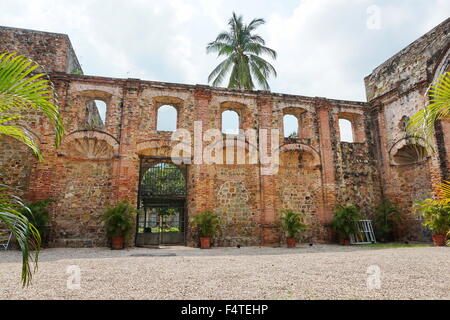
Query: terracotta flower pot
{"points": [[291, 242], [438, 240], [117, 243], [345, 242], [205, 243]]}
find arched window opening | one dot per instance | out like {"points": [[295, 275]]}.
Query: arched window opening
{"points": [[96, 113], [290, 125], [346, 130], [230, 122], [167, 118]]}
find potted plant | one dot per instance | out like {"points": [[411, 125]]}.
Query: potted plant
{"points": [[344, 222], [207, 224], [437, 218], [292, 224], [387, 218], [119, 223], [36, 212]]}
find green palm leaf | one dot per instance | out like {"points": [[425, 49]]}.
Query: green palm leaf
{"points": [[27, 236], [422, 124], [23, 90]]}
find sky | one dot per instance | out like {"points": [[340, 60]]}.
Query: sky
{"points": [[325, 47]]}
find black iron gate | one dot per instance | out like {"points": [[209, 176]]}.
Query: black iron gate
{"points": [[162, 193]]}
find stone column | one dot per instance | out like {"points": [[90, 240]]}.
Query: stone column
{"points": [[327, 164], [126, 168], [270, 233], [202, 187]]}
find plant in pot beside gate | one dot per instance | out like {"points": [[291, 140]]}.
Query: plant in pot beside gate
{"points": [[119, 223], [437, 218], [207, 224], [292, 224], [344, 222]]}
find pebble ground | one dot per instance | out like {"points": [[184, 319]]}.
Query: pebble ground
{"points": [[318, 272]]}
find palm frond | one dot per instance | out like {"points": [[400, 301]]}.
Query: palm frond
{"points": [[442, 191], [264, 65], [27, 236], [22, 135], [255, 24], [219, 73], [22, 90], [260, 76], [422, 124]]}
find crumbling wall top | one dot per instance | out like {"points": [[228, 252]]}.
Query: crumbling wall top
{"points": [[411, 66], [53, 51]]}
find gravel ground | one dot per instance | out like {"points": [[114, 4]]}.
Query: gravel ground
{"points": [[318, 272]]}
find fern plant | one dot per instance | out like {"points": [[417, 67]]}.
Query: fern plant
{"points": [[292, 223], [436, 216], [387, 217], [207, 224], [344, 221], [119, 220]]}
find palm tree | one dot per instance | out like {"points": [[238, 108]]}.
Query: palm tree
{"points": [[243, 50], [23, 89]]}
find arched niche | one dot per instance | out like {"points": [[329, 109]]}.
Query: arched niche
{"points": [[90, 145], [299, 156], [407, 152]]}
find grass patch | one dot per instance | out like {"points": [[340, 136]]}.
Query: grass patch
{"points": [[394, 245]]}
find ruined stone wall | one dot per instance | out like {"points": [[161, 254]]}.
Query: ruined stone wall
{"points": [[97, 166], [52, 51], [397, 90], [411, 66], [98, 163]]}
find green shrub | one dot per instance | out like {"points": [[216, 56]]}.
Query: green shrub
{"points": [[292, 223], [119, 220], [387, 217], [207, 224], [344, 220], [436, 216], [39, 216]]}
